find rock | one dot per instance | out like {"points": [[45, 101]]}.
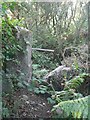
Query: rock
{"points": [[40, 105], [44, 104], [48, 112], [25, 97], [57, 76], [27, 102]]}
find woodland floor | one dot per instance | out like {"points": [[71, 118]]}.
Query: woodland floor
{"points": [[30, 105]]}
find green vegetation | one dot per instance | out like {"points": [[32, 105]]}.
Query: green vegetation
{"points": [[56, 26]]}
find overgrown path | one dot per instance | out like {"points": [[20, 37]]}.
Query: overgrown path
{"points": [[31, 105]]}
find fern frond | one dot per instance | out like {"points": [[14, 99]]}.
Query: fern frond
{"points": [[75, 82], [66, 95], [77, 108]]}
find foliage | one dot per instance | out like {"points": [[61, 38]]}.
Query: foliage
{"points": [[10, 47], [77, 108], [70, 102], [54, 26], [50, 100], [38, 71], [75, 82], [45, 60], [5, 112], [42, 89]]}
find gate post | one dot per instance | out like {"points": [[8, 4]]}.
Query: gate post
{"points": [[25, 40], [29, 52]]}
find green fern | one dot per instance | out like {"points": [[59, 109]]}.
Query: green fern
{"points": [[66, 95], [75, 82], [77, 108]]}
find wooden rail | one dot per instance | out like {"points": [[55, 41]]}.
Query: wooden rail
{"points": [[45, 50]]}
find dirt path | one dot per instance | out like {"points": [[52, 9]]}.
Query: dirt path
{"points": [[30, 105]]}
